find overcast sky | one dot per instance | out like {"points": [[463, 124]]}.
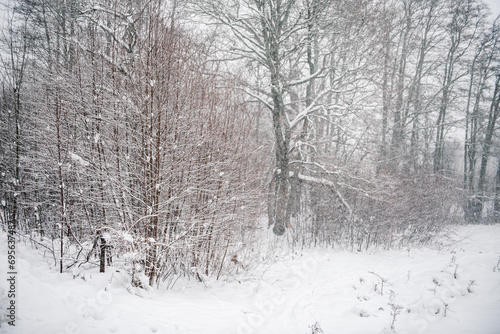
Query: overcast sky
{"points": [[494, 6]]}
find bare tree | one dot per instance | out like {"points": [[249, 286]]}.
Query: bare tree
{"points": [[493, 115], [14, 63], [273, 35], [466, 19], [480, 74]]}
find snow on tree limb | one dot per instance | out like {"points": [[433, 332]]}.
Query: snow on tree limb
{"points": [[312, 179]]}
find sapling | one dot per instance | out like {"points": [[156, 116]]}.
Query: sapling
{"points": [[436, 282], [471, 284], [392, 295], [383, 281], [316, 329], [445, 308], [395, 311]]}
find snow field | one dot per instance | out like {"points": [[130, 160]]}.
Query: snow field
{"points": [[452, 288]]}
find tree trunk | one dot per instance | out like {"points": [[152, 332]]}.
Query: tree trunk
{"points": [[62, 201], [399, 121], [496, 206], [102, 253], [488, 140]]}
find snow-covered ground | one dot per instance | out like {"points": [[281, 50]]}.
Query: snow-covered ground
{"points": [[454, 288]]}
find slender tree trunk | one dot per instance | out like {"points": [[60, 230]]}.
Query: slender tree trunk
{"points": [[385, 100], [399, 121], [62, 202], [17, 143], [102, 252], [473, 208], [496, 205], [488, 141]]}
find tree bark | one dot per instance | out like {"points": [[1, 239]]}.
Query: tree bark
{"points": [[488, 141]]}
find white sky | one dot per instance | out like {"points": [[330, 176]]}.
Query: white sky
{"points": [[494, 6]]}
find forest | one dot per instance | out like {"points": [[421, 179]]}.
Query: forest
{"points": [[161, 136]]}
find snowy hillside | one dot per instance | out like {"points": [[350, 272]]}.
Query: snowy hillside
{"points": [[453, 288]]}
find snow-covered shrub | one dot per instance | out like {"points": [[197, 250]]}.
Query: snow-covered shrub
{"points": [[383, 211]]}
